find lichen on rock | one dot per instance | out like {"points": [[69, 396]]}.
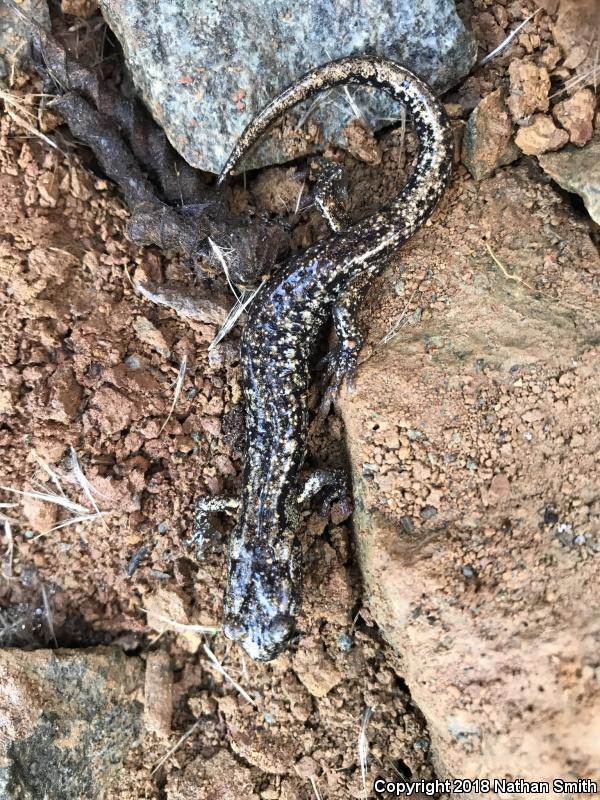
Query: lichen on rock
{"points": [[67, 722]]}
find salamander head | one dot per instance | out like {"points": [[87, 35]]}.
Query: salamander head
{"points": [[260, 604]]}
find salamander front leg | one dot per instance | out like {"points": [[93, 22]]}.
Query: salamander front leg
{"points": [[334, 481], [202, 528]]}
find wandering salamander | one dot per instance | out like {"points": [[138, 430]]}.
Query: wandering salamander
{"points": [[285, 320]]}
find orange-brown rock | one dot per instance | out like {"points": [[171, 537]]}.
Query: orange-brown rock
{"points": [[576, 115], [529, 88], [540, 136], [473, 438], [487, 140]]}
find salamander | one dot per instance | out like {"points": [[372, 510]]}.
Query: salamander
{"points": [[284, 322]]}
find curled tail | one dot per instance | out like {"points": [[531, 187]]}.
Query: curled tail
{"points": [[432, 168]]}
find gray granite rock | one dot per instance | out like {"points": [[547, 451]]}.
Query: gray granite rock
{"points": [[205, 69], [577, 170], [13, 32], [68, 718]]}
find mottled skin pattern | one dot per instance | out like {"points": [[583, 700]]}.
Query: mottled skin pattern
{"points": [[279, 341]]}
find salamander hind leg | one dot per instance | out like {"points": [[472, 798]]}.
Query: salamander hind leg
{"points": [[333, 481], [342, 360]]}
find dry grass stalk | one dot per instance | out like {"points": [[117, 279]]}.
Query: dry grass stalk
{"points": [[176, 393], [505, 272], [505, 42], [238, 309], [182, 626], [42, 493], [22, 116], [49, 615], [363, 747], [313, 783], [7, 560], [84, 484], [216, 664], [175, 747], [397, 327]]}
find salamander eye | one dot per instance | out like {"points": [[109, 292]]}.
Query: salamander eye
{"points": [[281, 628], [233, 630]]}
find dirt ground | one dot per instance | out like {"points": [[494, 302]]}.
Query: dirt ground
{"points": [[89, 371]]}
